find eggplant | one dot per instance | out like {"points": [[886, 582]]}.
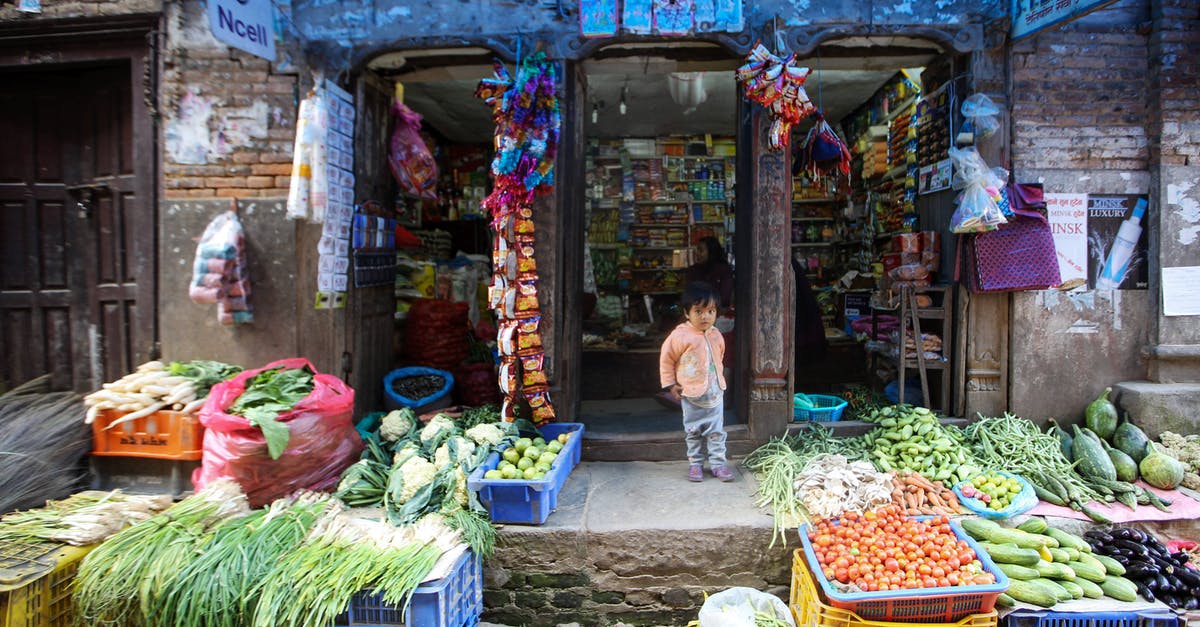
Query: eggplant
{"points": [[1181, 558], [1167, 567], [1188, 577], [1128, 545], [1127, 533], [1097, 537], [1146, 593], [1140, 571], [1193, 603]]}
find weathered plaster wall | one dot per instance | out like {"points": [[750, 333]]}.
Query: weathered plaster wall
{"points": [[1079, 95]]}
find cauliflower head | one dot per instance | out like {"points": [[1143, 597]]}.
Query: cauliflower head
{"points": [[489, 434], [416, 472], [397, 424], [439, 427], [453, 451]]}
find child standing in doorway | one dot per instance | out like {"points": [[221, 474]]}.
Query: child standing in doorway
{"points": [[689, 368]]}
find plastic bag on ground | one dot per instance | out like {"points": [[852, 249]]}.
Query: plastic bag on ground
{"points": [[735, 607], [322, 441]]}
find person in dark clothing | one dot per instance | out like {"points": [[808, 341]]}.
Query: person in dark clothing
{"points": [[811, 344], [713, 268]]}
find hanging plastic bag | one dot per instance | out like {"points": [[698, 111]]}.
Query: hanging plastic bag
{"points": [[411, 162], [321, 444], [219, 270], [980, 118], [979, 202], [735, 607]]}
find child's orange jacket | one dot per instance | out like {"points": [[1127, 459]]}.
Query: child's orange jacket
{"points": [[684, 359]]}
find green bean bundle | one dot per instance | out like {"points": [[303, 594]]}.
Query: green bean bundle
{"points": [[1017, 445]]}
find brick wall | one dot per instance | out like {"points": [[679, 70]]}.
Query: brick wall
{"points": [[1175, 76], [1079, 99], [228, 116]]}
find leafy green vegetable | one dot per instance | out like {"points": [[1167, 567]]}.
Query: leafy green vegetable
{"points": [[203, 373], [268, 394]]}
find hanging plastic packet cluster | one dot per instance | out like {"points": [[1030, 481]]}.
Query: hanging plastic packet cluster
{"points": [[219, 271], [982, 192], [777, 85], [525, 109], [822, 152], [409, 158]]}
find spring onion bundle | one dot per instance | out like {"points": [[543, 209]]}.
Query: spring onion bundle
{"points": [[216, 588], [313, 584], [119, 581], [80, 519]]}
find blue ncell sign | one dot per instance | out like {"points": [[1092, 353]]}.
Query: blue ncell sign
{"points": [[244, 24]]}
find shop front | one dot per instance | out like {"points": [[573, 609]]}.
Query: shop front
{"points": [[660, 154]]}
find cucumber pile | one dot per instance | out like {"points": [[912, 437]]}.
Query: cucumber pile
{"points": [[1046, 566]]}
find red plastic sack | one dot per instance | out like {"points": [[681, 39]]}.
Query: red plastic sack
{"points": [[322, 441]]}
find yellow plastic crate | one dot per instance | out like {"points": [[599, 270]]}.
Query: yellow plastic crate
{"points": [[809, 611], [35, 584]]}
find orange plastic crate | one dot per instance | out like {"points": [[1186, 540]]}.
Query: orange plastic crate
{"points": [[161, 435], [807, 608]]}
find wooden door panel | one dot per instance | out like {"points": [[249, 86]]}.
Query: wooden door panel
{"points": [[77, 235]]}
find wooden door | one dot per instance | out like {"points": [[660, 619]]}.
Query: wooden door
{"points": [[77, 266]]}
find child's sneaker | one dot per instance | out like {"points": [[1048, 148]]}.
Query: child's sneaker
{"points": [[696, 472], [723, 473]]}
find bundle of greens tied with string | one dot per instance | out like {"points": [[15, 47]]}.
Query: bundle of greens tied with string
{"points": [[411, 470]]}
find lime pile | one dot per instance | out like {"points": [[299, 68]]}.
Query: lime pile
{"points": [[993, 489], [528, 459]]}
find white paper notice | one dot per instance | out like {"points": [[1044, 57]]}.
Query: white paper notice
{"points": [[1181, 291], [1067, 214]]}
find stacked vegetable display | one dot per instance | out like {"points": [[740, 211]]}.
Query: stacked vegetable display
{"points": [[911, 438], [885, 549], [1046, 565]]}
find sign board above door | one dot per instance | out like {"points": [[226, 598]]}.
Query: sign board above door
{"points": [[1032, 16], [244, 24]]}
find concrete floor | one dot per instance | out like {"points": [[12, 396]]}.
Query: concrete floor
{"points": [[633, 415]]}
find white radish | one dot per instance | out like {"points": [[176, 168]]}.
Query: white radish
{"points": [[141, 413]]}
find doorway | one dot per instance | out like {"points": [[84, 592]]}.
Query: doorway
{"points": [[661, 145], [78, 274]]}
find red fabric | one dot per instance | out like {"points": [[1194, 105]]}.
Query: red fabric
{"points": [[322, 441]]}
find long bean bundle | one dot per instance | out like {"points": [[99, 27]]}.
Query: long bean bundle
{"points": [[216, 588], [311, 585], [117, 583], [1017, 445]]}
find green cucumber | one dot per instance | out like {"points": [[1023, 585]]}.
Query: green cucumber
{"points": [[1010, 554]]}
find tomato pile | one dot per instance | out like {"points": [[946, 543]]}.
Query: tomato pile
{"points": [[884, 549]]}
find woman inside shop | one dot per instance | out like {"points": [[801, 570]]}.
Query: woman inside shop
{"points": [[712, 267]]}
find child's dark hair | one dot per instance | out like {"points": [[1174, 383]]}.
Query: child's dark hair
{"points": [[698, 293]]}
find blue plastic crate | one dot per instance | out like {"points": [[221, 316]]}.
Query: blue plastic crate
{"points": [[826, 408], [455, 600], [924, 605], [525, 501], [1047, 618]]}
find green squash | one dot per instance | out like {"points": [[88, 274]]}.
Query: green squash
{"points": [[1161, 470], [1130, 440], [1090, 458], [1064, 438], [1127, 469], [1101, 415]]}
